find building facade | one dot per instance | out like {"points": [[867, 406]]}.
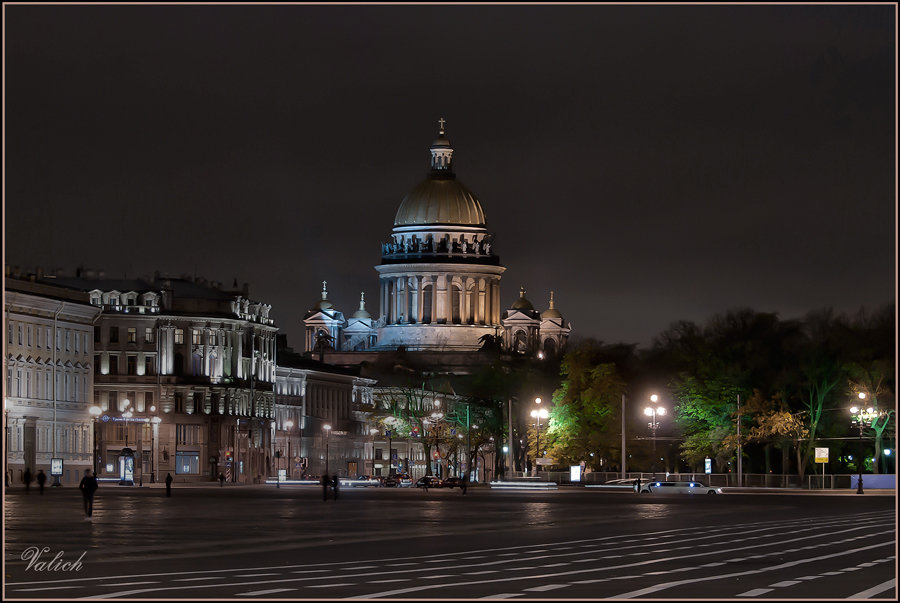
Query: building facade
{"points": [[184, 380], [48, 381], [439, 282]]}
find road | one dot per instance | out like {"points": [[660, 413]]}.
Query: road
{"points": [[261, 542]]}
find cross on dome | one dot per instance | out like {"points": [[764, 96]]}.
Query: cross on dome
{"points": [[442, 121]]}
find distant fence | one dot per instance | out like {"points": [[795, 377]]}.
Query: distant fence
{"points": [[723, 480]]}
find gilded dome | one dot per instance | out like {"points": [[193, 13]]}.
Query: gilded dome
{"points": [[440, 199], [551, 312], [522, 303]]}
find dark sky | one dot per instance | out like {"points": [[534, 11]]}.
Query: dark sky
{"points": [[648, 163]]}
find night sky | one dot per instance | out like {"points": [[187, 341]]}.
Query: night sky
{"points": [[647, 163]]}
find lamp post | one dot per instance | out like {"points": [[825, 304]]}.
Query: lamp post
{"points": [[538, 414], [654, 412], [96, 411], [153, 433], [372, 432], [327, 429], [862, 418], [288, 425]]}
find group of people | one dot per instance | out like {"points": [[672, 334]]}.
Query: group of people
{"points": [[27, 477], [330, 482]]}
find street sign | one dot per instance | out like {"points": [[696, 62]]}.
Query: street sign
{"points": [[708, 466], [56, 466], [821, 455], [575, 473]]}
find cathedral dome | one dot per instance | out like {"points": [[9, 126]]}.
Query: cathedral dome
{"points": [[551, 312], [440, 198], [522, 303]]}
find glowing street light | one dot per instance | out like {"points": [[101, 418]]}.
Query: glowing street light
{"points": [[327, 429], [654, 412], [538, 413], [96, 411], [862, 418]]}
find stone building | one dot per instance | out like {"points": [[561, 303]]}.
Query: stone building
{"points": [[48, 380], [184, 379], [439, 282]]}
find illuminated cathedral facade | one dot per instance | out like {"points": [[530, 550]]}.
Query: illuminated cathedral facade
{"points": [[439, 283]]}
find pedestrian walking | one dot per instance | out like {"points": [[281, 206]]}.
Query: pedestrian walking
{"points": [[88, 487], [41, 480], [26, 477], [168, 484], [221, 479], [637, 485], [465, 483], [335, 486], [325, 483]]}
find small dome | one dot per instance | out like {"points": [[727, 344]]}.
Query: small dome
{"points": [[551, 312], [324, 304], [522, 303], [361, 313], [441, 142]]}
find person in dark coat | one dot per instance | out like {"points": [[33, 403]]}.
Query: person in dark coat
{"points": [[221, 479], [465, 483], [325, 483], [26, 477], [88, 487], [41, 480], [335, 485], [168, 484]]}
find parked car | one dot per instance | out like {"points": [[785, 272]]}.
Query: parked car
{"points": [[404, 480], [429, 481], [453, 482], [694, 487], [391, 481]]}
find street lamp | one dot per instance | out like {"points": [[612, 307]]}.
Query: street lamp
{"points": [[861, 418], [327, 429], [96, 411], [653, 412], [288, 425], [538, 413], [153, 432], [372, 432]]}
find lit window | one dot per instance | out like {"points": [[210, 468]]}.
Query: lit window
{"points": [[148, 335], [179, 335], [132, 335], [197, 337]]}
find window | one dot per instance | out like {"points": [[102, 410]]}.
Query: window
{"points": [[197, 337], [187, 463], [148, 335], [114, 334], [212, 339], [148, 365], [148, 401], [132, 335], [77, 337], [68, 339], [179, 335], [113, 365], [29, 335], [96, 334], [378, 454], [11, 331], [20, 335], [187, 434], [132, 365]]}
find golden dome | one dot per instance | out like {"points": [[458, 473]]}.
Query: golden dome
{"points": [[551, 312], [440, 199]]}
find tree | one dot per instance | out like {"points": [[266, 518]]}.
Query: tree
{"points": [[585, 406]]}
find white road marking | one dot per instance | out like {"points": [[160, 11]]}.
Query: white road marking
{"points": [[874, 591], [128, 583], [329, 585], [259, 593], [755, 592], [547, 587], [197, 579], [254, 575], [785, 583], [480, 573], [386, 581], [398, 564], [31, 590], [503, 596]]}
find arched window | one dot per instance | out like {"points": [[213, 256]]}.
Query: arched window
{"points": [[521, 342], [549, 347]]}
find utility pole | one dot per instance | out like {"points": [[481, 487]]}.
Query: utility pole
{"points": [[740, 459], [623, 436]]}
